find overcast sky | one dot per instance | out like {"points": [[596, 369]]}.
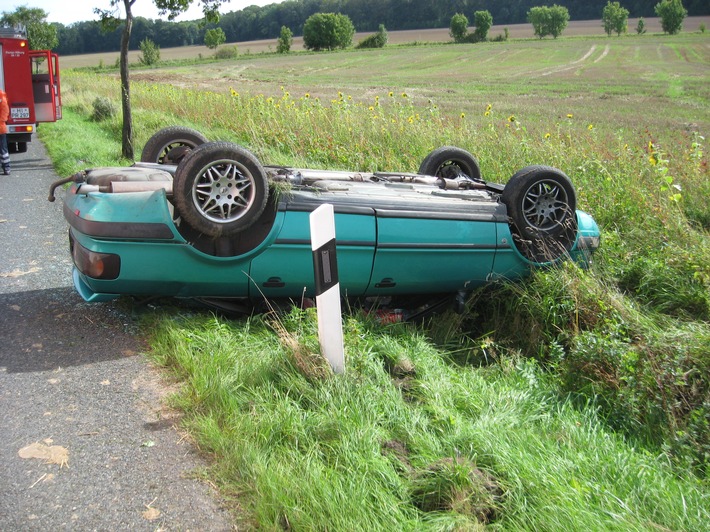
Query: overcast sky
{"points": [[69, 11]]}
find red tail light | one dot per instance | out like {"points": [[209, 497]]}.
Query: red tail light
{"points": [[95, 265]]}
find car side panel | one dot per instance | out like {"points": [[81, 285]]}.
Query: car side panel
{"points": [[169, 269], [285, 269], [425, 255]]}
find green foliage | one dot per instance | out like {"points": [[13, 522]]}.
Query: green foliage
{"points": [[103, 109], [672, 13], [40, 34], [614, 18], [214, 37], [630, 337], [548, 20], [376, 40], [640, 27], [701, 27], [458, 29], [150, 52], [405, 439], [482, 20], [227, 52], [327, 31], [285, 41]]}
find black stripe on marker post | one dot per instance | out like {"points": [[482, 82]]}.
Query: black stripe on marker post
{"points": [[325, 267]]}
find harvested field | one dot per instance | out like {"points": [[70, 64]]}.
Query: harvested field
{"points": [[516, 31]]}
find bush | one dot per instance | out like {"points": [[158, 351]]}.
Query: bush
{"points": [[214, 37], [285, 40], [150, 52], [671, 13], [614, 18], [103, 109], [548, 20], [641, 27], [458, 29], [327, 31], [483, 21], [227, 52], [376, 40]]}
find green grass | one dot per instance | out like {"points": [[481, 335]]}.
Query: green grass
{"points": [[574, 400], [406, 439]]}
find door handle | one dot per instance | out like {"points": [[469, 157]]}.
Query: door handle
{"points": [[273, 282]]}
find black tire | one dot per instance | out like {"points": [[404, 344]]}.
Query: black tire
{"points": [[450, 162], [16, 147], [171, 144], [542, 207], [220, 189]]}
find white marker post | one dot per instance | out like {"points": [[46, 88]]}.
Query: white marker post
{"points": [[325, 266]]}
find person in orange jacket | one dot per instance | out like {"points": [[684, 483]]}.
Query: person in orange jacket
{"points": [[4, 113]]}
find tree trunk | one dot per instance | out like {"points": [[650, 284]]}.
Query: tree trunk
{"points": [[127, 137]]}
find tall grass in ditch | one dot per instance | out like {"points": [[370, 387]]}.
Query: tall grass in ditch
{"points": [[406, 439], [628, 343]]}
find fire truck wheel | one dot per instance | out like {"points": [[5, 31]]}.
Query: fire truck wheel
{"points": [[17, 147]]}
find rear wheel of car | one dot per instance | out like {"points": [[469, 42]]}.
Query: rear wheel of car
{"points": [[220, 189], [171, 144], [542, 205], [451, 162]]}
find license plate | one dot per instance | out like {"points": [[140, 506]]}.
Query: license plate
{"points": [[19, 113]]}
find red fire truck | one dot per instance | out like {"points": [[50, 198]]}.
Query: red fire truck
{"points": [[31, 80]]}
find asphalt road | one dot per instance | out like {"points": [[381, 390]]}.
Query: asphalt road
{"points": [[76, 391]]}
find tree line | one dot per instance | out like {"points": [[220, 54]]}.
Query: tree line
{"points": [[255, 22]]}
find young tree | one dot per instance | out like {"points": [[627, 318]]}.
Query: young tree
{"points": [[150, 52], [214, 37], [285, 40], [671, 13], [483, 21], [458, 29], [40, 34], [327, 31], [559, 17], [641, 27], [548, 20], [111, 20], [615, 18]]}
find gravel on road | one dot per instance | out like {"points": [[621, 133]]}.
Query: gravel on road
{"points": [[87, 442]]}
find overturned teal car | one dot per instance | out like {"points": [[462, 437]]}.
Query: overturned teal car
{"points": [[206, 220]]}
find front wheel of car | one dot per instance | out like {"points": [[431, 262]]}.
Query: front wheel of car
{"points": [[541, 204], [220, 189], [171, 144], [451, 162]]}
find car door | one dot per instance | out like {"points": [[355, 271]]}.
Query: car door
{"points": [[285, 269], [432, 251]]}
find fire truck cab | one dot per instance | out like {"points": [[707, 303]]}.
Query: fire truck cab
{"points": [[30, 78]]}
